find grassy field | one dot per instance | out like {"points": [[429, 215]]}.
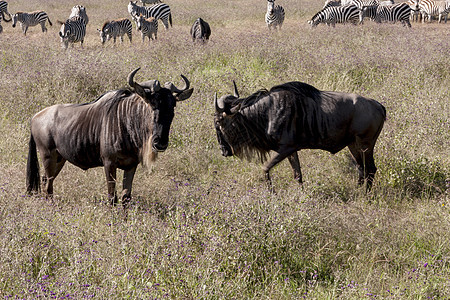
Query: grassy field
{"points": [[202, 226]]}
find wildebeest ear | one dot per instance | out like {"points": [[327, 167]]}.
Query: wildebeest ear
{"points": [[184, 94], [139, 90]]}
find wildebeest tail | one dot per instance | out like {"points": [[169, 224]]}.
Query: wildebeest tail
{"points": [[33, 179]]}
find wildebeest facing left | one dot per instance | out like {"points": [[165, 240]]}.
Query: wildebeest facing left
{"points": [[200, 31], [295, 116], [117, 131]]}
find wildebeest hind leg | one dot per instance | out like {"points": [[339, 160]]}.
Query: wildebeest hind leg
{"points": [[295, 164], [53, 163]]}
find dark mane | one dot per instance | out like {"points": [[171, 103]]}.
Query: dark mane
{"points": [[299, 88], [119, 95], [253, 98], [247, 131], [248, 139], [104, 25]]}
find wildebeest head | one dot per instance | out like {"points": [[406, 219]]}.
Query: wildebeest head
{"points": [[162, 101], [224, 107]]}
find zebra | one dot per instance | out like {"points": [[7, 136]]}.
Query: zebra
{"points": [[274, 15], [1, 27], [363, 5], [31, 19], [415, 11], [330, 3], [392, 13], [158, 11], [79, 11], [72, 31], [114, 29], [336, 14], [430, 8], [150, 2], [4, 11], [200, 31], [148, 27]]}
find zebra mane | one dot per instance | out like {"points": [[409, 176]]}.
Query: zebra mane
{"points": [[105, 24]]}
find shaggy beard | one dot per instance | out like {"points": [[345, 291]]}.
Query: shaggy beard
{"points": [[148, 155]]}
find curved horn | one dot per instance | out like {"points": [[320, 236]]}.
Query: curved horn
{"points": [[216, 105], [131, 77], [174, 89], [236, 93]]}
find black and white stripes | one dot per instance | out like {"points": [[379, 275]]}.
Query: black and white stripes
{"points": [[274, 15], [114, 29], [336, 14], [392, 13], [79, 11], [72, 31], [430, 8], [159, 11], [4, 11], [148, 27], [31, 19]]}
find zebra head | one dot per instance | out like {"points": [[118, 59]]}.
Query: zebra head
{"points": [[14, 18], [270, 6], [139, 21], [104, 32], [132, 9]]}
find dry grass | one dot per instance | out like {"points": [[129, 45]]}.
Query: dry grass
{"points": [[203, 226]]}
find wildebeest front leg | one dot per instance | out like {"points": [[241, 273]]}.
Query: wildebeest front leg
{"points": [[111, 172], [295, 164], [365, 162], [128, 176], [275, 159]]}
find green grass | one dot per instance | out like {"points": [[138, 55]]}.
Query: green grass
{"points": [[205, 226]]}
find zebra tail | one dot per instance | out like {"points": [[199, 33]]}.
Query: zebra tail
{"points": [[33, 179], [170, 19], [49, 22]]}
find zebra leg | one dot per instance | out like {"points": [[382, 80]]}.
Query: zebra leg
{"points": [[44, 29], [114, 39]]}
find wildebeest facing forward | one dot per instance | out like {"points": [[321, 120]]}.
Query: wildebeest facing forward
{"points": [[295, 116], [118, 130]]}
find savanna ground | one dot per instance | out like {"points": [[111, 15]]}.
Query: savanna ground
{"points": [[205, 226]]}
